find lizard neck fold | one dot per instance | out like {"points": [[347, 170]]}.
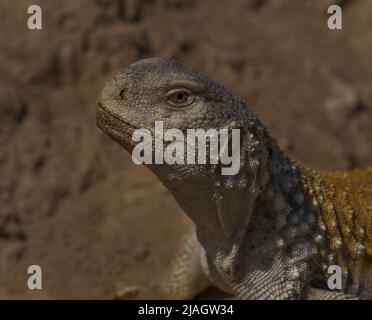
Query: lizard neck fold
{"points": [[268, 185]]}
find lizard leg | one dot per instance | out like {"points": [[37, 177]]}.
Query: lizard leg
{"points": [[186, 278], [312, 293]]}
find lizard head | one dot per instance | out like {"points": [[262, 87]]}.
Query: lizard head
{"points": [[156, 89], [164, 90]]}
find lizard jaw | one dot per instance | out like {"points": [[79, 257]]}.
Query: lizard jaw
{"points": [[115, 127]]}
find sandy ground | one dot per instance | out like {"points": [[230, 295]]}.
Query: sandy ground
{"points": [[72, 201]]}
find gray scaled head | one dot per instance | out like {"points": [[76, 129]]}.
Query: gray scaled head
{"points": [[165, 90]]}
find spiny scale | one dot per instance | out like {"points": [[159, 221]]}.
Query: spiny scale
{"points": [[344, 214]]}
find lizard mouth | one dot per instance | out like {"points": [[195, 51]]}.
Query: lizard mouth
{"points": [[115, 127]]}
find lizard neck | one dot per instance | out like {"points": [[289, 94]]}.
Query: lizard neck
{"points": [[268, 186]]}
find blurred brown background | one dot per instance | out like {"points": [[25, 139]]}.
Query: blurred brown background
{"points": [[72, 201]]}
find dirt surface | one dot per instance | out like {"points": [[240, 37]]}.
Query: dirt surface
{"points": [[72, 201]]}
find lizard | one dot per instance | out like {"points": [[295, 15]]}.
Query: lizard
{"points": [[269, 232]]}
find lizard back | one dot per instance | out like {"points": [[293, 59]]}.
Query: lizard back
{"points": [[343, 202]]}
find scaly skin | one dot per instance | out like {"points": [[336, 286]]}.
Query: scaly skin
{"points": [[344, 214], [268, 232]]}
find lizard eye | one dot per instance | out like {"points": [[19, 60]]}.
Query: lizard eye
{"points": [[180, 98]]}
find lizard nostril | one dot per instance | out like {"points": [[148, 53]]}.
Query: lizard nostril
{"points": [[122, 94]]}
